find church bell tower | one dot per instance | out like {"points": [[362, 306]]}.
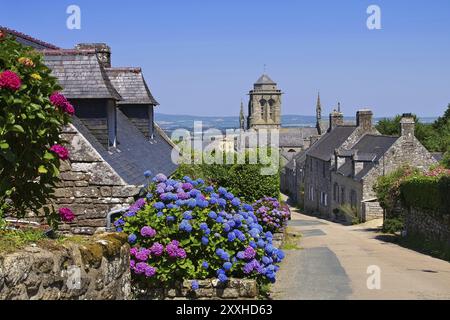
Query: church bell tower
{"points": [[264, 107]]}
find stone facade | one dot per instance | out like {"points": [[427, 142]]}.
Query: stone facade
{"points": [[264, 107], [89, 186], [427, 225], [406, 150], [211, 289], [97, 269]]}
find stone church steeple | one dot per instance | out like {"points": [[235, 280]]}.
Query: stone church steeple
{"points": [[264, 107], [242, 117], [318, 115]]}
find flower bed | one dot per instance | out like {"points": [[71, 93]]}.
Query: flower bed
{"points": [[185, 229]]}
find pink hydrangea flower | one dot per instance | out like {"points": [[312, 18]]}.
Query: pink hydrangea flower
{"points": [[61, 151], [58, 100], [157, 249], [69, 108], [66, 214], [10, 80]]}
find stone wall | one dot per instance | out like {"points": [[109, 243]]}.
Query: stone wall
{"points": [[371, 211], [94, 269], [89, 186], [427, 225], [211, 289]]}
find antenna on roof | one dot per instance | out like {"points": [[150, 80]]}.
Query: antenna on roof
{"points": [[339, 107]]}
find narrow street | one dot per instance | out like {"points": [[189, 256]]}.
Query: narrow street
{"points": [[333, 259]]}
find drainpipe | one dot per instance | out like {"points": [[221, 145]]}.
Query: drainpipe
{"points": [[109, 217]]}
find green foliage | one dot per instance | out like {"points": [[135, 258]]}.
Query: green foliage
{"points": [[244, 180], [393, 225], [430, 193], [435, 137], [349, 213], [387, 188], [446, 160], [11, 240], [29, 126]]}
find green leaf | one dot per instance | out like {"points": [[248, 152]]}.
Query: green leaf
{"points": [[42, 170], [4, 145], [48, 156], [18, 128]]}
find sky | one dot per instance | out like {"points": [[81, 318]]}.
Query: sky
{"points": [[201, 57]]}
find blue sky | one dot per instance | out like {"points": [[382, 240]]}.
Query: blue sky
{"points": [[201, 57]]}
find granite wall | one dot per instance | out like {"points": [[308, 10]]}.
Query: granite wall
{"points": [[96, 268], [429, 225]]}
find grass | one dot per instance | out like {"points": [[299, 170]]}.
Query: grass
{"points": [[291, 240], [12, 240]]}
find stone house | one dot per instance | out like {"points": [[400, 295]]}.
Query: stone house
{"points": [[357, 168], [319, 160], [113, 138]]}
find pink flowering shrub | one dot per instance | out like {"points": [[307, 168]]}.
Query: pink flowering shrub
{"points": [[271, 215], [32, 115]]}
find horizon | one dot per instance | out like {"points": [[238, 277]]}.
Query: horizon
{"points": [[199, 54]]}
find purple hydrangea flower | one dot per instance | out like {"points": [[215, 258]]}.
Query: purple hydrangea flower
{"points": [[194, 285], [157, 249], [132, 238], [249, 253], [148, 232]]}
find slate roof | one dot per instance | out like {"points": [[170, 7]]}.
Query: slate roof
{"points": [[369, 149], [294, 137], [28, 40], [80, 74], [324, 148], [131, 85], [265, 79], [134, 153]]}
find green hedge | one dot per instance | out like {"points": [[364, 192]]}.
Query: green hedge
{"points": [[244, 180], [427, 193]]}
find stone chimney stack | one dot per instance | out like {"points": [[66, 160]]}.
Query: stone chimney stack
{"points": [[407, 125], [364, 119], [102, 49], [336, 118]]}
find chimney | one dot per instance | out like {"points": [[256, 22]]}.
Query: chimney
{"points": [[336, 119], [364, 119], [102, 49], [407, 125]]}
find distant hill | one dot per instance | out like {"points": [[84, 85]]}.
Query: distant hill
{"points": [[169, 122]]}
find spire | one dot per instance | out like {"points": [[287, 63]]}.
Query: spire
{"points": [[242, 117], [339, 107], [318, 114], [318, 108]]}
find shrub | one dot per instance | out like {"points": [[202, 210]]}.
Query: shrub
{"points": [[245, 179], [387, 188], [32, 115], [393, 225], [428, 192], [271, 215], [185, 229]]}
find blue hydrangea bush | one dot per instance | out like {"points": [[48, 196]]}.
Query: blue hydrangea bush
{"points": [[185, 229]]}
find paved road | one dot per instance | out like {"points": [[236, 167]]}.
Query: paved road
{"points": [[334, 259]]}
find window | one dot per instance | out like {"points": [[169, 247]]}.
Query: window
{"points": [[311, 193], [324, 199], [353, 199], [271, 102], [336, 192], [323, 169], [262, 102], [342, 195]]}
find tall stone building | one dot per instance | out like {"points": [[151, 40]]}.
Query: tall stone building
{"points": [[264, 112], [264, 107]]}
